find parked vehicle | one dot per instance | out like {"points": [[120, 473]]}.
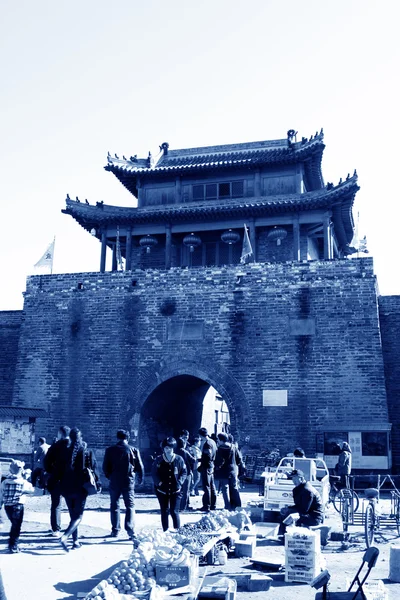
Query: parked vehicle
{"points": [[278, 486]]}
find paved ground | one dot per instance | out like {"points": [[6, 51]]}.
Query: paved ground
{"points": [[44, 572]]}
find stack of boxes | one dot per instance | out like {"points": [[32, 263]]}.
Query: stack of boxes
{"points": [[302, 554]]}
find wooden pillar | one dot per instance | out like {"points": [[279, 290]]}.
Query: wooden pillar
{"points": [[257, 183], [128, 256], [114, 266], [252, 236], [178, 190], [296, 238], [168, 244], [139, 192], [103, 252], [327, 237]]}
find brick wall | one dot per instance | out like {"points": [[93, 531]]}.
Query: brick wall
{"points": [[93, 356], [10, 324], [389, 314]]}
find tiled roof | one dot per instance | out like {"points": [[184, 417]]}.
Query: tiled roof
{"points": [[340, 198], [252, 154], [21, 411]]}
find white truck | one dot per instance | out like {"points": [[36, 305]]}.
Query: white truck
{"points": [[278, 486]]}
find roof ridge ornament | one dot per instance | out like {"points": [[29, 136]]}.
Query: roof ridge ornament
{"points": [[164, 148], [291, 137]]}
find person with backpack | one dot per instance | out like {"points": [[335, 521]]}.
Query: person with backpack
{"points": [[54, 464], [73, 468], [228, 462], [123, 467]]}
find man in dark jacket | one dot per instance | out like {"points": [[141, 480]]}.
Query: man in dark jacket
{"points": [[227, 463], [307, 502], [122, 465], [55, 462], [206, 468]]}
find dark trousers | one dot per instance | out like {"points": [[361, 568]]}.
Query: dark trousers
{"points": [[76, 505], [195, 482], [16, 515], [55, 508], [37, 477], [128, 496], [230, 492], [169, 505], [210, 493], [185, 492]]}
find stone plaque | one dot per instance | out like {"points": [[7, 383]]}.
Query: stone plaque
{"points": [[302, 326], [275, 398], [185, 330]]}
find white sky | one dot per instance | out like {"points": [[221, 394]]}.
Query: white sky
{"points": [[83, 77]]}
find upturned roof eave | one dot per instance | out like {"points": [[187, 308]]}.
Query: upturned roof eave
{"points": [[340, 199], [310, 154]]}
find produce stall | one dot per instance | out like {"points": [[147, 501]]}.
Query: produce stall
{"points": [[168, 563]]}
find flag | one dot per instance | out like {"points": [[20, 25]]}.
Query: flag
{"points": [[119, 255], [247, 250], [47, 258], [355, 241]]}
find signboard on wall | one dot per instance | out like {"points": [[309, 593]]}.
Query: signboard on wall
{"points": [[275, 398]]}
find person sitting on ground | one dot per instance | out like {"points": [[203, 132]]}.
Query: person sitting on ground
{"points": [[307, 503]]}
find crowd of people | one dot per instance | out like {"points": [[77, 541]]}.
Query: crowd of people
{"points": [[178, 470]]}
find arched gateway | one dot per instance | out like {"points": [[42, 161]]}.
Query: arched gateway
{"points": [[170, 398]]}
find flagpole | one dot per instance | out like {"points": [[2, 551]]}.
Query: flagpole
{"points": [[52, 258]]}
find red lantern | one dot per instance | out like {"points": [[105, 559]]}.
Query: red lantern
{"points": [[148, 242], [278, 234], [230, 237], [192, 241]]}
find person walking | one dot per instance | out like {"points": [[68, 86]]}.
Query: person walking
{"points": [[343, 467], [77, 458], [228, 461], [169, 473], [54, 465], [195, 450], [206, 468], [12, 495], [123, 467], [190, 463], [38, 471]]}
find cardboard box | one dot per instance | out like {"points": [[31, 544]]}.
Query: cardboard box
{"points": [[266, 529], [259, 583], [173, 577], [223, 588], [245, 547]]}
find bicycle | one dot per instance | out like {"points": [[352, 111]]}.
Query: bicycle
{"points": [[345, 500], [372, 516]]}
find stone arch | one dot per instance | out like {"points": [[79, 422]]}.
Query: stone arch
{"points": [[218, 377]]}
